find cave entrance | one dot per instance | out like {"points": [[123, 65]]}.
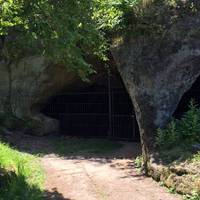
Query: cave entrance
{"points": [[192, 94], [100, 110]]}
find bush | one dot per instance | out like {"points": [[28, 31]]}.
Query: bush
{"points": [[184, 132]]}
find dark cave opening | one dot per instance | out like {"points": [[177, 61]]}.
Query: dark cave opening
{"points": [[95, 111], [192, 94]]}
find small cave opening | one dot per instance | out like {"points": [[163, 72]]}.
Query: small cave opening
{"points": [[192, 94], [98, 110]]}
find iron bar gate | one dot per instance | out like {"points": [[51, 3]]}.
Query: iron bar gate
{"points": [[94, 114], [104, 111]]}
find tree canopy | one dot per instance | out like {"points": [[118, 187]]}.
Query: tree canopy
{"points": [[62, 30], [68, 31], [65, 31]]}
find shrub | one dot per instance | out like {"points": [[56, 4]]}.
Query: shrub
{"points": [[183, 132], [189, 126], [167, 137]]}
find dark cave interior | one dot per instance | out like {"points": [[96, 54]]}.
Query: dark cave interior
{"points": [[192, 94], [95, 111]]}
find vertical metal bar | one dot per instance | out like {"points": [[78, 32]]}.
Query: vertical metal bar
{"points": [[134, 126], [109, 102]]}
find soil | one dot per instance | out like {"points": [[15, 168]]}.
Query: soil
{"points": [[110, 177]]}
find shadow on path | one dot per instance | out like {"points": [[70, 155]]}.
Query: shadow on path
{"points": [[98, 150], [89, 169], [55, 195]]}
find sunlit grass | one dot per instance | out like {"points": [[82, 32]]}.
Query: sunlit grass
{"points": [[21, 175]]}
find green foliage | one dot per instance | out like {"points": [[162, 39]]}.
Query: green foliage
{"points": [[136, 18], [68, 31], [63, 31], [193, 196], [119, 15], [167, 137], [189, 127], [182, 132], [110, 14], [196, 158], [9, 15], [138, 162], [22, 177]]}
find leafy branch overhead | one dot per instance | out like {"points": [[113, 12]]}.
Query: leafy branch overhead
{"points": [[68, 31], [62, 30], [65, 31]]}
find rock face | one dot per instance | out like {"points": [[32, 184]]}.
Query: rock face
{"points": [[157, 71], [29, 84]]}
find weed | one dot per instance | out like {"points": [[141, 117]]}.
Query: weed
{"points": [[138, 162]]}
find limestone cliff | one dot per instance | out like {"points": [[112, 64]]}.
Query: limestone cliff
{"points": [[29, 83], [159, 68]]}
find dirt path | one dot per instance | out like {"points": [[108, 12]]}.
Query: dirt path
{"points": [[110, 177], [99, 179]]}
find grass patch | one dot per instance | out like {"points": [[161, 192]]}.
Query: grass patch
{"points": [[85, 147], [21, 175], [196, 158]]}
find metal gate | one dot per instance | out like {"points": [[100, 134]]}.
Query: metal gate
{"points": [[95, 113]]}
